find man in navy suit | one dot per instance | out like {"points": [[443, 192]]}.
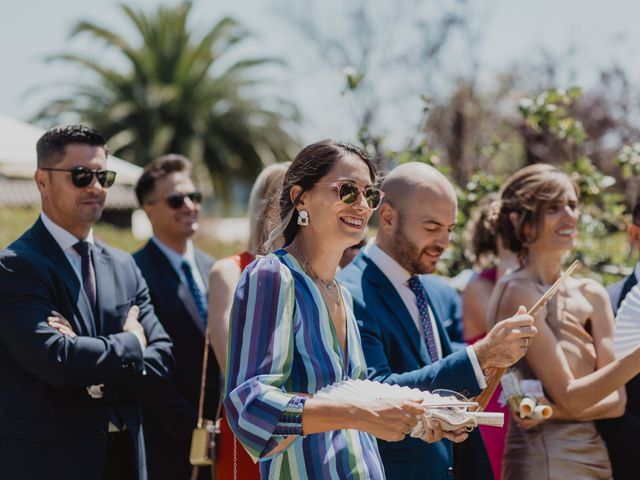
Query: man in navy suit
{"points": [[621, 434], [79, 340], [178, 279], [399, 312]]}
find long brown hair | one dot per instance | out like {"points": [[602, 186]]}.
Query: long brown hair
{"points": [[527, 193], [309, 166]]}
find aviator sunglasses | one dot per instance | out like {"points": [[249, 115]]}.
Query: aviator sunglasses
{"points": [[82, 177], [348, 193]]}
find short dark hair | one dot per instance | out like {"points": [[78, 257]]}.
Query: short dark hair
{"points": [[157, 169], [50, 146]]}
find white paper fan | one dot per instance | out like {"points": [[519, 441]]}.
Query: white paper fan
{"points": [[448, 407], [626, 333]]}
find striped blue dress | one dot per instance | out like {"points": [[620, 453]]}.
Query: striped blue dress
{"points": [[282, 340]]}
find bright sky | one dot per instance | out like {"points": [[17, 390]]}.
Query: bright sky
{"points": [[511, 31]]}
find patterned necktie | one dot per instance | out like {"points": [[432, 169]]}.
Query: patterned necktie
{"points": [[88, 275], [423, 307], [196, 293]]}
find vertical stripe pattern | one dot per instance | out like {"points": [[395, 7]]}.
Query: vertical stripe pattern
{"points": [[282, 340]]}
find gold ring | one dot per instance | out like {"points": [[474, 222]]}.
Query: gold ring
{"points": [[526, 342]]}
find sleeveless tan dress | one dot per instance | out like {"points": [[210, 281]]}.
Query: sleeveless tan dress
{"points": [[558, 450]]}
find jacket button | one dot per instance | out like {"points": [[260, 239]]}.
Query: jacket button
{"points": [[102, 434], [450, 471], [465, 392]]}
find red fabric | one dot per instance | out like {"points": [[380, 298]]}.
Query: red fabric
{"points": [[490, 274], [245, 468], [494, 438]]}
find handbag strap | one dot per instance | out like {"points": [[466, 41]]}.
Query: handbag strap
{"points": [[203, 379]]}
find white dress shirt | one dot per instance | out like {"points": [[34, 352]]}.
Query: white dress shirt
{"points": [[176, 260], [399, 278]]}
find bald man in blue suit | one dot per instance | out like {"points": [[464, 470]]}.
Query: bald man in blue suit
{"points": [[400, 313]]}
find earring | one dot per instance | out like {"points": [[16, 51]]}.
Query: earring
{"points": [[303, 218]]}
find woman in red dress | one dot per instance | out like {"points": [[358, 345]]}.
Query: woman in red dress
{"points": [[488, 252], [233, 461]]}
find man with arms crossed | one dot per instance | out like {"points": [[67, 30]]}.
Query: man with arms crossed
{"points": [[78, 336]]}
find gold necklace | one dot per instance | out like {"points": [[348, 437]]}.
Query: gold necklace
{"points": [[329, 286]]}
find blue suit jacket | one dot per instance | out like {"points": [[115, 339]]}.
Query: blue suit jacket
{"points": [[396, 354], [621, 434], [171, 410], [49, 426]]}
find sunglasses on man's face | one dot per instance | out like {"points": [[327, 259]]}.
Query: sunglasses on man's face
{"points": [[82, 177], [176, 200], [348, 192]]}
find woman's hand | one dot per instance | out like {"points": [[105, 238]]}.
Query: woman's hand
{"points": [[388, 420], [525, 423], [432, 432]]}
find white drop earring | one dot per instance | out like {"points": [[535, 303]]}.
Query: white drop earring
{"points": [[303, 218]]}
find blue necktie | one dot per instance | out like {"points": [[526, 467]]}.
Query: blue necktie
{"points": [[196, 293], [423, 308]]}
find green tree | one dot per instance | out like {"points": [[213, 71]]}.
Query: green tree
{"points": [[179, 92]]}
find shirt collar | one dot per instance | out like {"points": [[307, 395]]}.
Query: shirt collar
{"points": [[63, 238], [174, 257], [395, 272]]}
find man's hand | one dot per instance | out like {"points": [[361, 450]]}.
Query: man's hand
{"points": [[132, 324], [61, 324], [507, 341]]}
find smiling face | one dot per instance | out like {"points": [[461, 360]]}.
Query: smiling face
{"points": [[335, 223], [72, 208], [172, 225], [420, 235], [558, 223]]}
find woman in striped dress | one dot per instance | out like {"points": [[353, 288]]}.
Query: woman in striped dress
{"points": [[292, 332]]}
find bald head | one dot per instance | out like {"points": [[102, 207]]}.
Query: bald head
{"points": [[418, 213], [403, 182]]}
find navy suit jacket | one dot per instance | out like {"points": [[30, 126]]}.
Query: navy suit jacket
{"points": [[171, 410], [49, 426], [396, 354], [621, 434]]}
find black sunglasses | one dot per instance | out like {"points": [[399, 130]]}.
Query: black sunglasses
{"points": [[82, 177], [348, 192], [176, 200]]}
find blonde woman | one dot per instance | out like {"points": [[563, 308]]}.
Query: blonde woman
{"points": [[224, 277]]}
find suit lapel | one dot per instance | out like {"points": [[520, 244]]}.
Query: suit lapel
{"points": [[389, 295], [105, 285], [203, 268], [164, 266], [445, 343], [78, 299], [629, 283]]}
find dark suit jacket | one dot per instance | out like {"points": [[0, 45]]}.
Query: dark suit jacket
{"points": [[171, 410], [622, 433], [449, 304], [395, 354], [49, 426]]}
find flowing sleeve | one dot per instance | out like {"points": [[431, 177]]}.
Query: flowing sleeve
{"points": [[259, 410]]}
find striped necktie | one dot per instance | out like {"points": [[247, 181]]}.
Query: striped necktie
{"points": [[423, 308]]}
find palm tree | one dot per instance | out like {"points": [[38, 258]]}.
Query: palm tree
{"points": [[176, 95]]}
